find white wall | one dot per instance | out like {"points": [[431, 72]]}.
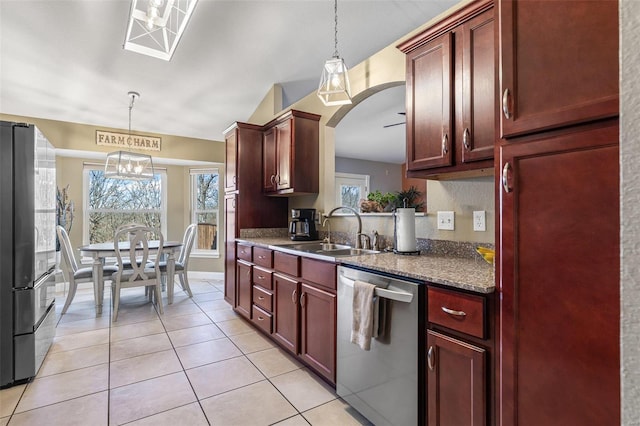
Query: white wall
{"points": [[630, 209]]}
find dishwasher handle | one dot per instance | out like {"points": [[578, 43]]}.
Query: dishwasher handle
{"points": [[399, 296]]}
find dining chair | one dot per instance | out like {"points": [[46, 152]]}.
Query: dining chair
{"points": [[74, 274], [142, 274], [182, 262], [126, 263]]}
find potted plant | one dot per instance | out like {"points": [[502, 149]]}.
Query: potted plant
{"points": [[64, 211], [410, 194], [377, 202]]}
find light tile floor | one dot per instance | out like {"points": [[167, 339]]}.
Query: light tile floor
{"points": [[199, 363]]}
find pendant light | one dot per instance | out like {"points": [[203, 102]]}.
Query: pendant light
{"points": [[126, 164], [156, 26], [334, 88]]}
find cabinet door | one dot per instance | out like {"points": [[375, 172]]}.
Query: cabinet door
{"points": [[318, 330], [269, 160], [230, 248], [559, 63], [243, 289], [429, 110], [475, 136], [456, 382], [285, 312], [559, 280], [283, 142], [231, 156]]}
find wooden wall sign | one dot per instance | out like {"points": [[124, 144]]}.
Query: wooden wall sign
{"points": [[147, 143]]}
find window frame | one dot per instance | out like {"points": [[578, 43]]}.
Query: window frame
{"points": [[85, 199], [362, 178], [194, 211]]}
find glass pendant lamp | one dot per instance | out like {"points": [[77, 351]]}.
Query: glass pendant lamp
{"points": [[334, 87]]}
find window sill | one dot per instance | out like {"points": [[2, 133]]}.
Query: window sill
{"points": [[205, 254]]}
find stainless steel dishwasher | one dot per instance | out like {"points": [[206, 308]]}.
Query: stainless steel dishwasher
{"points": [[382, 383]]}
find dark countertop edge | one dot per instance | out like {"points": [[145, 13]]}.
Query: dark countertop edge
{"points": [[357, 261]]}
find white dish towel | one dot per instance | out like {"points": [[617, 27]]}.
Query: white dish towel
{"points": [[364, 313]]}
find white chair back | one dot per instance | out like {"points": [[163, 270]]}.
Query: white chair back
{"points": [[67, 250], [138, 248], [187, 244]]}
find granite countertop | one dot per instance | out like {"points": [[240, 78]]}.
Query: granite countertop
{"points": [[473, 274]]}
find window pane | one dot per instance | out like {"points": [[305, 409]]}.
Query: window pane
{"points": [[207, 191], [126, 201], [204, 199], [350, 196], [102, 226], [121, 194]]}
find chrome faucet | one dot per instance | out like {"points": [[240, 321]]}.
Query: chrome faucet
{"points": [[358, 232], [328, 237]]}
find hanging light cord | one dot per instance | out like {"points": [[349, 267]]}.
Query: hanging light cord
{"points": [[132, 96], [335, 32]]}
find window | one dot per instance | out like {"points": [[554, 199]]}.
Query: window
{"points": [[204, 209], [350, 189], [110, 203]]}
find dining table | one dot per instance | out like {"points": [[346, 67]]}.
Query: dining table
{"points": [[99, 252]]}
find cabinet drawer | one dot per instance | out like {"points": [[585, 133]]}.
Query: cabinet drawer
{"points": [[262, 277], [262, 319], [457, 311], [319, 272], [287, 263], [263, 298], [243, 252], [263, 257]]}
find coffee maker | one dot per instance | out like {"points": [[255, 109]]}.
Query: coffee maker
{"points": [[303, 226]]}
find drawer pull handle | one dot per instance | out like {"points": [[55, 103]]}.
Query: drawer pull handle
{"points": [[302, 299], [445, 144], [452, 312], [260, 319], [430, 356], [260, 297], [261, 277], [294, 297], [261, 257]]}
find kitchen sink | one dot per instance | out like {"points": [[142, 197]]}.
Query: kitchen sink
{"points": [[324, 249]]}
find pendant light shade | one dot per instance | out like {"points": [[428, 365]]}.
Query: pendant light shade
{"points": [[334, 87], [129, 165], [156, 26]]}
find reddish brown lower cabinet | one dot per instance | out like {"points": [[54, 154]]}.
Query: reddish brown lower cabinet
{"points": [[559, 304], [243, 289], [317, 330], [285, 312], [456, 382]]}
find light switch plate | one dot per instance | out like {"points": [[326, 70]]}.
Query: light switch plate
{"points": [[446, 221], [479, 220]]}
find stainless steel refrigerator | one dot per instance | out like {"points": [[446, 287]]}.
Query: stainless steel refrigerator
{"points": [[27, 251]]}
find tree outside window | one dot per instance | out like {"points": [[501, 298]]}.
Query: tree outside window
{"points": [[204, 207], [114, 202]]}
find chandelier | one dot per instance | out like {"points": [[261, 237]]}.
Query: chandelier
{"points": [[334, 88], [155, 26], [126, 164]]}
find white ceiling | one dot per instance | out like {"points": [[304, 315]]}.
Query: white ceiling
{"points": [[63, 60]]}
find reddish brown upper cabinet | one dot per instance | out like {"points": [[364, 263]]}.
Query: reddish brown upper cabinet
{"points": [[291, 155], [246, 206], [559, 63], [559, 304], [451, 95]]}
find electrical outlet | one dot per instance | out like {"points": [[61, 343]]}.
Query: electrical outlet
{"points": [[446, 221], [479, 220]]}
